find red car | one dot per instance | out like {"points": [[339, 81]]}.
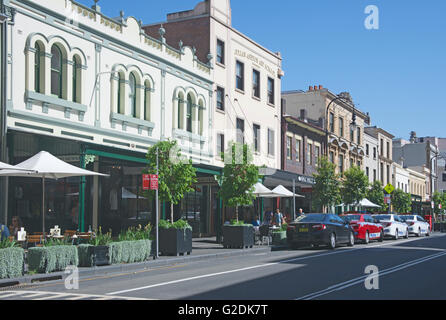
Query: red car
{"points": [[365, 227]]}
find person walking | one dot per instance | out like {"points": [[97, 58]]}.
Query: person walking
{"points": [[278, 218]]}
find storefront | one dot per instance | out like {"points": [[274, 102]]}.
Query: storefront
{"points": [[112, 203]]}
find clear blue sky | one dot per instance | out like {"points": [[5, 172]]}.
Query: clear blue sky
{"points": [[396, 73]]}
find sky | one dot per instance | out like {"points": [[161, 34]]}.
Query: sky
{"points": [[397, 73]]}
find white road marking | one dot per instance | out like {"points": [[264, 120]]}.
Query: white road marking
{"points": [[359, 280], [60, 296], [257, 267]]}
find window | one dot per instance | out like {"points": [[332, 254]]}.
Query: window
{"points": [[270, 142], [121, 83], [388, 150], [180, 111], [240, 131], [351, 163], [37, 68], [388, 174], [256, 83], [220, 52], [332, 157], [331, 122], [358, 131], [256, 138], [56, 71], [358, 163], [444, 177], [132, 95], [147, 91], [189, 113], [367, 172], [374, 153], [289, 141], [309, 153], [76, 79], [317, 153], [240, 76], [367, 150], [270, 91], [220, 99], [341, 163], [374, 175], [298, 148], [382, 147], [220, 145], [352, 135], [341, 127]]}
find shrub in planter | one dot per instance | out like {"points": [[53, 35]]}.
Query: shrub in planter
{"points": [[97, 251], [175, 238], [238, 235], [52, 258], [12, 260], [130, 251], [279, 236]]}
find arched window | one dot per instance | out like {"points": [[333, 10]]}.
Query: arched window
{"points": [[200, 118], [120, 92], [132, 95], [180, 113], [147, 91], [56, 71], [37, 68], [189, 113], [76, 79]]}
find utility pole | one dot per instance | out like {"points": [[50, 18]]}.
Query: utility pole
{"points": [[157, 207]]}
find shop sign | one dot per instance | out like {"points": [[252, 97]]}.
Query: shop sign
{"points": [[153, 182]]}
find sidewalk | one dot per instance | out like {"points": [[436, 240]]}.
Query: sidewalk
{"points": [[202, 249]]}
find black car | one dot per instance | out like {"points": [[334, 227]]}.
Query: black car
{"points": [[320, 229]]}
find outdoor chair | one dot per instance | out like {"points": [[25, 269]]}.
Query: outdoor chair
{"points": [[35, 240], [265, 234]]}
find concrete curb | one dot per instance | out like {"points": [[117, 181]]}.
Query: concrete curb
{"points": [[133, 267]]}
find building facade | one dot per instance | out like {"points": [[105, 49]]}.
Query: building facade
{"points": [[371, 156], [344, 142], [97, 92], [247, 79], [385, 156]]}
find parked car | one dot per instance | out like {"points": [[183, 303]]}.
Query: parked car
{"points": [[394, 227], [319, 229], [365, 227], [417, 225]]}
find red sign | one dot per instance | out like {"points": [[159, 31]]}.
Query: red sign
{"points": [[146, 182], [153, 182]]}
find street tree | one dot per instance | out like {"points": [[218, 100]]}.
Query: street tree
{"points": [[439, 198], [327, 188], [354, 186], [402, 202], [176, 173], [239, 177], [376, 195]]}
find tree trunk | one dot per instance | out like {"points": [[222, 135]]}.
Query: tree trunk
{"points": [[236, 213], [171, 212]]}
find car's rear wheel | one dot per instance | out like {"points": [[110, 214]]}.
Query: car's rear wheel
{"points": [[407, 234], [381, 237], [367, 238], [351, 243], [419, 232], [396, 234], [332, 243]]}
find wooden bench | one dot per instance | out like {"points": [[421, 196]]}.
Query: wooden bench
{"points": [[36, 240]]}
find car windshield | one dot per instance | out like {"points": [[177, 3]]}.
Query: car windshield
{"points": [[312, 218], [405, 218], [381, 218], [349, 218]]}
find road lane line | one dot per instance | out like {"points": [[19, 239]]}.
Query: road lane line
{"points": [[259, 266], [359, 280]]}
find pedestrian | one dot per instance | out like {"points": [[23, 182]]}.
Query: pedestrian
{"points": [[268, 217], [278, 217], [4, 232], [301, 212], [15, 226]]}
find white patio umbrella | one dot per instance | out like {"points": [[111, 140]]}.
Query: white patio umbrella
{"points": [[46, 166], [5, 166], [129, 195], [261, 191], [282, 192]]}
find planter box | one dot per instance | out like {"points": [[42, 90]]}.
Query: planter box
{"points": [[50, 259], [238, 237], [175, 242], [279, 238], [130, 251], [90, 256], [12, 263]]}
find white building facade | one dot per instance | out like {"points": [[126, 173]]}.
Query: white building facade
{"points": [[98, 92], [371, 157]]}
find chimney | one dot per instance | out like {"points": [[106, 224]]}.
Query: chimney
{"points": [[310, 88], [321, 87], [303, 114], [315, 88]]}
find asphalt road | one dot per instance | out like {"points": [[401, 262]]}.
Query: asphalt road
{"points": [[408, 269]]}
